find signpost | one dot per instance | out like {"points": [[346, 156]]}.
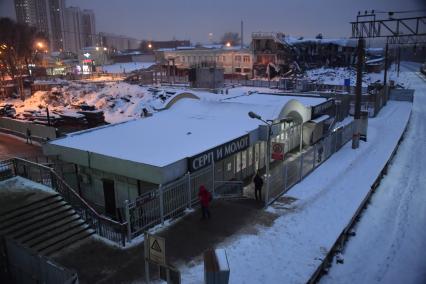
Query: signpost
{"points": [[277, 151], [155, 253], [157, 250]]}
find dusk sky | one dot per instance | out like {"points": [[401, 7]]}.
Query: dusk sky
{"points": [[195, 19]]}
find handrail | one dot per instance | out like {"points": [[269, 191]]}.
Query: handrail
{"points": [[104, 226], [84, 201]]}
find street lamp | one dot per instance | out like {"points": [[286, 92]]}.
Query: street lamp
{"points": [[269, 124], [268, 151]]}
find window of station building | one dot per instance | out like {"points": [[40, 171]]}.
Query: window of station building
{"points": [[247, 70], [224, 58], [243, 159], [238, 162], [217, 58], [238, 70], [246, 59], [238, 58]]}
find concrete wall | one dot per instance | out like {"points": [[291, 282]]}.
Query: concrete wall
{"points": [[125, 188], [20, 127]]}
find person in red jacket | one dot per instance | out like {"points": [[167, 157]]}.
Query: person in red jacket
{"points": [[205, 197]]}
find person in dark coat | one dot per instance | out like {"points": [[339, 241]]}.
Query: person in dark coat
{"points": [[29, 138], [205, 198], [258, 183]]}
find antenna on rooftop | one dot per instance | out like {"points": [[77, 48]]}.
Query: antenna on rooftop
{"points": [[242, 34]]}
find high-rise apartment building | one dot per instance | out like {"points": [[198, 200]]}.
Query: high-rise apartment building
{"points": [[33, 13], [47, 16], [73, 23], [88, 28]]}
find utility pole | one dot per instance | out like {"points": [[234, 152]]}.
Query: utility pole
{"points": [[358, 94], [405, 30]]}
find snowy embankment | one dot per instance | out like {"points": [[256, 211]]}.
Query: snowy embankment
{"points": [[337, 76], [119, 101], [291, 250], [390, 238]]}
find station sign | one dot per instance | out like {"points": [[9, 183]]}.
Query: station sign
{"points": [[218, 153]]}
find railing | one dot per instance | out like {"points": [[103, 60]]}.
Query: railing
{"points": [[228, 188], [168, 201], [286, 174], [104, 227]]}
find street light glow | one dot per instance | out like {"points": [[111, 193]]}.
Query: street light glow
{"points": [[105, 49], [149, 45], [97, 48], [228, 44], [40, 44]]}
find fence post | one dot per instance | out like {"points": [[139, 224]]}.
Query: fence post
{"points": [[52, 179], [286, 176], [301, 166], [189, 190], [160, 191], [213, 177], [127, 214], [315, 156]]}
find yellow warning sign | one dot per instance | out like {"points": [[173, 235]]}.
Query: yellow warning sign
{"points": [[157, 250]]}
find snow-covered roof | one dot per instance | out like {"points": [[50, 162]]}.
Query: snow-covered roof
{"points": [[337, 41], [190, 127], [126, 67]]}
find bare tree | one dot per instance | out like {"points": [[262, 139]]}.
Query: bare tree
{"points": [[19, 46]]}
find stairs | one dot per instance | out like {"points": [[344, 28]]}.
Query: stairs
{"points": [[45, 225]]}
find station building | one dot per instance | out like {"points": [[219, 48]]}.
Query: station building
{"points": [[123, 161]]}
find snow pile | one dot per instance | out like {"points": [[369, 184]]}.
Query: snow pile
{"points": [[118, 101], [337, 76]]}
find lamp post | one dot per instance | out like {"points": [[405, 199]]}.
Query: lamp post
{"points": [[268, 124]]}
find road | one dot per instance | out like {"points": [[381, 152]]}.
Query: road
{"points": [[390, 241], [11, 146]]}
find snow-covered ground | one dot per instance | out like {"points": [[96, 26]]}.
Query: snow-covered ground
{"points": [[337, 76], [390, 243], [291, 250]]}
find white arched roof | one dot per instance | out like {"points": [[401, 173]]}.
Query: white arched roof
{"points": [[296, 110]]}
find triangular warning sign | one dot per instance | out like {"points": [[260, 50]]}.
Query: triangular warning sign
{"points": [[155, 246]]}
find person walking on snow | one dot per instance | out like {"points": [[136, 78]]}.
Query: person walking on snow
{"points": [[205, 197], [258, 183], [29, 138]]}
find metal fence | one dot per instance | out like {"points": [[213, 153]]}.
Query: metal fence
{"points": [[286, 174], [24, 266], [168, 201], [293, 84], [104, 227]]}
